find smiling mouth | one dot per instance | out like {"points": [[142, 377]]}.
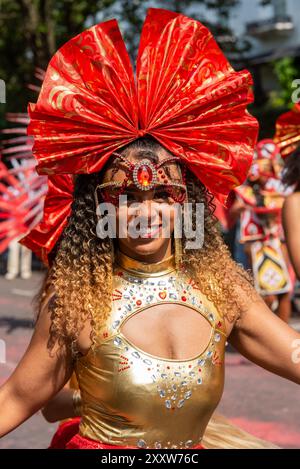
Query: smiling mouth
{"points": [[150, 231]]}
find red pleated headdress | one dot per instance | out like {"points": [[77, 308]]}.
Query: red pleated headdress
{"points": [[185, 94]]}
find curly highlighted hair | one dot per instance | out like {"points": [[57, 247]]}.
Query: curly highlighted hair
{"points": [[81, 276]]}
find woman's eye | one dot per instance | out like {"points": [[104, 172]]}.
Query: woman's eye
{"points": [[161, 195], [131, 197]]}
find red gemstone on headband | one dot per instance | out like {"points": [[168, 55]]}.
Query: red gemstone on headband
{"points": [[144, 175]]}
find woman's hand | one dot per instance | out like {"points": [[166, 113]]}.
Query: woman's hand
{"points": [[291, 225], [61, 406], [37, 378], [265, 339]]}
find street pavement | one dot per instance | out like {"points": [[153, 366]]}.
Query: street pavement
{"points": [[263, 404]]}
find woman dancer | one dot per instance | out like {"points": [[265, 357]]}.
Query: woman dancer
{"points": [[261, 228]]}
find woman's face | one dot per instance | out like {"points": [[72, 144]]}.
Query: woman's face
{"points": [[148, 215]]}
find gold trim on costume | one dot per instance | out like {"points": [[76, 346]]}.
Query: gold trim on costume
{"points": [[145, 269]]}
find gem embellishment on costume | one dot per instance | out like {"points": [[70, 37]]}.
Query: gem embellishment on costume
{"points": [[287, 134], [157, 402], [261, 219], [186, 95]]}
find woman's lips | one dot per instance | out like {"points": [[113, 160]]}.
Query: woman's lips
{"points": [[150, 231], [153, 231]]}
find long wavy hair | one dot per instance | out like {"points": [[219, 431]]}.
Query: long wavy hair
{"points": [[78, 285]]}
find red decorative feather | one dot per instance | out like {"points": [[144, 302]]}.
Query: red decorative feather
{"points": [[22, 193]]}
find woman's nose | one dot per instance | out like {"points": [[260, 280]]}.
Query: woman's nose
{"points": [[145, 206], [146, 210]]}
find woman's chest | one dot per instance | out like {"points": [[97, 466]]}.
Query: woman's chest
{"points": [[166, 316], [164, 320], [168, 330]]}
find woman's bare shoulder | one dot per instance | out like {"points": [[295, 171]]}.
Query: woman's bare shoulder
{"points": [[292, 202]]}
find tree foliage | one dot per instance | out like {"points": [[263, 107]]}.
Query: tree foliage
{"points": [[32, 30], [286, 72]]}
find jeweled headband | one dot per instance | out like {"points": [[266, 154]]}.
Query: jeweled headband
{"points": [[144, 175]]}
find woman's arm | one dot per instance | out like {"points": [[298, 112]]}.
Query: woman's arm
{"points": [[37, 378], [291, 225], [265, 339]]}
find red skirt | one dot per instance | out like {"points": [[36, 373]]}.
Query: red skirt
{"points": [[64, 433], [67, 437], [81, 442]]}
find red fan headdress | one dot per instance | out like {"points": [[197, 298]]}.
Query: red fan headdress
{"points": [[185, 94], [287, 134]]}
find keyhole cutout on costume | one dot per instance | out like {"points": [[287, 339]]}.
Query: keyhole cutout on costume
{"points": [[168, 331]]}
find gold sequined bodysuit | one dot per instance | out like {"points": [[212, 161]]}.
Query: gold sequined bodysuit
{"points": [[134, 398]]}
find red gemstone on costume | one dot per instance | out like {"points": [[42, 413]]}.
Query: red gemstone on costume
{"points": [[144, 175]]}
